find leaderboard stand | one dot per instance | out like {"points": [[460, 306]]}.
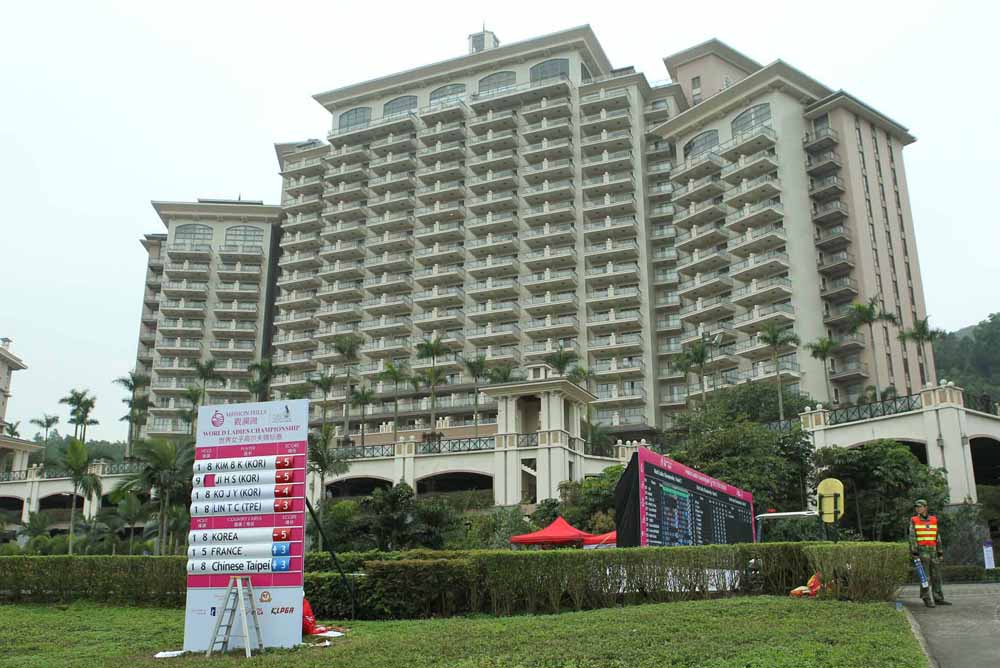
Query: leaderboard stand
{"points": [[248, 518]]}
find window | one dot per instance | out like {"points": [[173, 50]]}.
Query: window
{"points": [[355, 118], [449, 92], [193, 232], [584, 73], [556, 67], [400, 105], [702, 143], [696, 83], [244, 235], [751, 119], [660, 104], [497, 81]]}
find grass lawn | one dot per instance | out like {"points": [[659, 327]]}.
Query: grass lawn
{"points": [[741, 632]]}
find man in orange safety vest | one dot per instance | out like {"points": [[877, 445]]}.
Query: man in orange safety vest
{"points": [[925, 544]]}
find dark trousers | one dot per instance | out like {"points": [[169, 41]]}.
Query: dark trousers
{"points": [[931, 568]]}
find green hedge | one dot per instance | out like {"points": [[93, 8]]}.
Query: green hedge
{"points": [[117, 579], [860, 571], [961, 573], [354, 562]]}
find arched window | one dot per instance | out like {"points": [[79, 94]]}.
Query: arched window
{"points": [[244, 235], [556, 67], [449, 92], [355, 117], [497, 81], [193, 232], [702, 143], [400, 105], [752, 118]]}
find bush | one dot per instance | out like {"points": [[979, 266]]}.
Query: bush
{"points": [[353, 562], [120, 579], [961, 573], [418, 588], [861, 571]]}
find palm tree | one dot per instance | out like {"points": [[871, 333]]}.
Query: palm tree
{"points": [[867, 315], [76, 461], [581, 375], [132, 383], [775, 338], [362, 397], [921, 334], [46, 422], [194, 396], [297, 393], [397, 374], [324, 460], [138, 409], [74, 399], [502, 373], [476, 367], [431, 378], [325, 383], [38, 524], [432, 349], [205, 371], [131, 511], [561, 359], [167, 470], [822, 349], [12, 429], [260, 384], [695, 356], [347, 346]]}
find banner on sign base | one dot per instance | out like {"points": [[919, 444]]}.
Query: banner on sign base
{"points": [[248, 519]]}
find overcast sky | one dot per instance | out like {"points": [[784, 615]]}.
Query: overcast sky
{"points": [[108, 105]]}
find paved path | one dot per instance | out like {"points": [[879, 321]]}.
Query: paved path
{"points": [[963, 635]]}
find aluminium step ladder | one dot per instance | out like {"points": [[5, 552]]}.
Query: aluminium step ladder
{"points": [[239, 596]]}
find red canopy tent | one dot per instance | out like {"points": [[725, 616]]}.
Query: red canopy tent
{"points": [[558, 533], [602, 539]]}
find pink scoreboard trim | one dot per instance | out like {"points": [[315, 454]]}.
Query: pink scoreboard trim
{"points": [[675, 467], [253, 450]]}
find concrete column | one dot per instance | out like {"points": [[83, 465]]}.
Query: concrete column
{"points": [[403, 463]]}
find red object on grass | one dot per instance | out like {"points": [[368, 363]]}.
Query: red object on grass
{"points": [[609, 538], [309, 625], [560, 532]]}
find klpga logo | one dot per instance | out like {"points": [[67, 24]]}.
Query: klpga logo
{"points": [[218, 419]]}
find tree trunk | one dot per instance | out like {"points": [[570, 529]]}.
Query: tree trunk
{"points": [[829, 385], [701, 375], [347, 407], [475, 409], [878, 384], [777, 378], [362, 427], [395, 413], [72, 516], [319, 511]]}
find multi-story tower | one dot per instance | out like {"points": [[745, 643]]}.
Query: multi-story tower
{"points": [[9, 363], [206, 297], [790, 203], [528, 197]]}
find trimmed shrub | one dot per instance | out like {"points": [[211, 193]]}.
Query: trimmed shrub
{"points": [[330, 599], [353, 562], [118, 579], [418, 588], [860, 571]]}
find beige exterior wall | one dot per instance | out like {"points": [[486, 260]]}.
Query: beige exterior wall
{"points": [[9, 363], [715, 74]]}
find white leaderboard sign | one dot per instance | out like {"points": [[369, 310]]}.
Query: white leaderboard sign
{"points": [[247, 518]]}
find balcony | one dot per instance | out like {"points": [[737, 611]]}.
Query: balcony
{"points": [[178, 346], [555, 258], [694, 191], [442, 152], [615, 320], [705, 284], [608, 161], [494, 140], [391, 201], [296, 340], [189, 251], [390, 242], [547, 149], [302, 204], [666, 277], [704, 310], [605, 98], [699, 214], [616, 119], [387, 347], [493, 223], [300, 242], [552, 326], [494, 160], [299, 260], [232, 348], [341, 290], [541, 349], [827, 188], [670, 324], [239, 272], [822, 139], [749, 167], [611, 251], [549, 107], [343, 231], [494, 334], [554, 235], [495, 266], [302, 167], [839, 289], [441, 211], [440, 318], [549, 303], [341, 269], [387, 304], [345, 172], [497, 98], [749, 142], [441, 232], [493, 120], [762, 292], [492, 244], [833, 239], [344, 211], [551, 280], [392, 144], [709, 235], [618, 227], [494, 311], [615, 140], [829, 212], [390, 182], [703, 261], [758, 240], [234, 329], [548, 170], [389, 262], [453, 170], [836, 264], [610, 205], [231, 290], [849, 343], [187, 270], [493, 287], [756, 215], [697, 167], [190, 289], [390, 222], [663, 255], [766, 187], [339, 311], [186, 327], [345, 192], [389, 282], [663, 233], [376, 127], [444, 109], [297, 300], [342, 250], [614, 297], [493, 180], [547, 128], [612, 272], [822, 164], [626, 367], [760, 266], [786, 370], [618, 343], [298, 361], [549, 191], [838, 316], [440, 275], [754, 320], [848, 371], [386, 326], [437, 296]]}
